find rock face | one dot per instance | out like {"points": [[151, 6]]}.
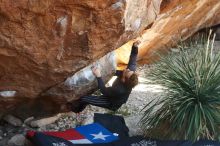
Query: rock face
{"points": [[178, 20], [47, 47], [44, 42], [184, 19]]}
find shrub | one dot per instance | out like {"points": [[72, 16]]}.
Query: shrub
{"points": [[190, 107]]}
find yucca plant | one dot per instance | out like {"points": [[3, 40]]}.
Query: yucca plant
{"points": [[190, 107]]}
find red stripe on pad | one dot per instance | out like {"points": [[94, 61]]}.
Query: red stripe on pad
{"points": [[70, 134], [30, 134]]}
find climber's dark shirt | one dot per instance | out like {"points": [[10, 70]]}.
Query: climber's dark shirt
{"points": [[118, 93]]}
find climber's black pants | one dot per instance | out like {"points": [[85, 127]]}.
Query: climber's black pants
{"points": [[100, 101]]}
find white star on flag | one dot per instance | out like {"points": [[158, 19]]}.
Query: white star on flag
{"points": [[99, 136]]}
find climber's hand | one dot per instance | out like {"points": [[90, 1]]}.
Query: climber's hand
{"points": [[136, 43], [96, 71]]}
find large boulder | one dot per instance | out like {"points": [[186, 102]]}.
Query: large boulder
{"points": [[48, 47], [43, 42]]}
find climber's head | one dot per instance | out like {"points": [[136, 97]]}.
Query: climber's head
{"points": [[130, 78]]}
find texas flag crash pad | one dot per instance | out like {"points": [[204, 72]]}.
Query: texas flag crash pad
{"points": [[88, 134]]}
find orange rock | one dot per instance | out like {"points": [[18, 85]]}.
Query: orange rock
{"points": [[178, 20], [43, 42]]}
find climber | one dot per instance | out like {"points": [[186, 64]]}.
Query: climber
{"points": [[112, 97]]}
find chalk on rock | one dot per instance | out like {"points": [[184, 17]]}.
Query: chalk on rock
{"points": [[117, 5], [7, 93], [137, 23]]}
